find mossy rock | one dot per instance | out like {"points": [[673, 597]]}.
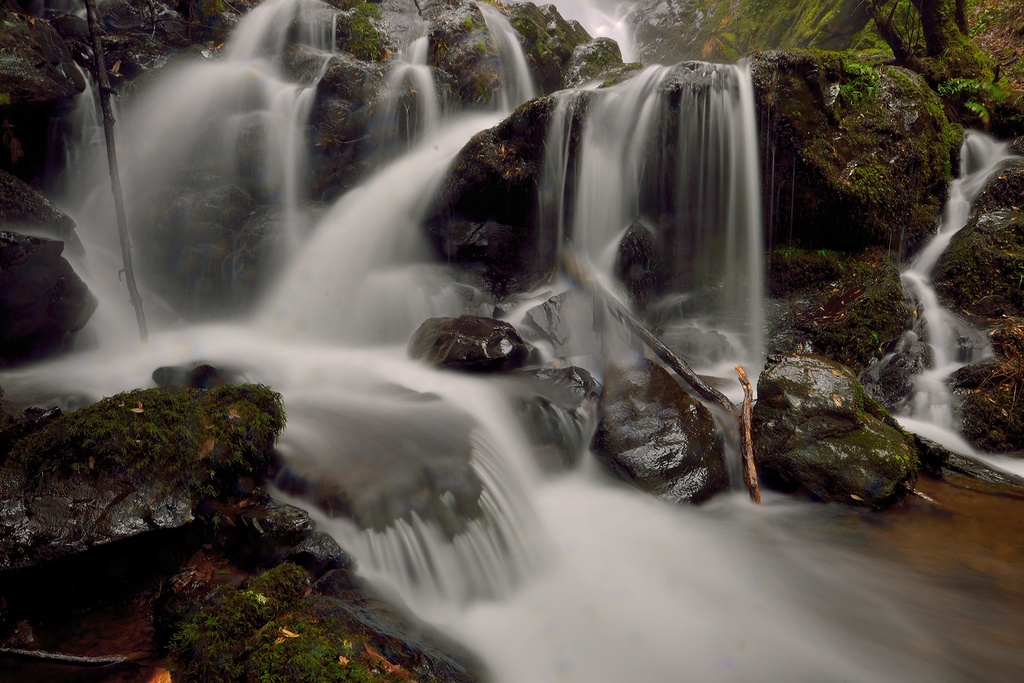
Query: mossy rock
{"points": [[848, 307], [462, 48], [856, 155], [133, 462], [991, 393], [358, 33], [549, 43], [273, 629], [817, 431]]}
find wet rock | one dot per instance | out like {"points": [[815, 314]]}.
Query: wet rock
{"points": [[816, 430], [848, 307], [197, 376], [346, 101], [403, 456], [654, 435], [637, 263], [558, 408], [549, 43], [990, 392], [469, 343], [598, 61], [13, 428], [1004, 190], [319, 553], [890, 381], [130, 464], [462, 49], [981, 270], [484, 217], [843, 138], [26, 211], [42, 301], [37, 83], [566, 320]]}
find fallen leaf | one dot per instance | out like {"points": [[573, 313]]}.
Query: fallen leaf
{"points": [[92, 463], [289, 634], [160, 676], [278, 641], [856, 497], [138, 408], [838, 401], [207, 447], [116, 68], [343, 660], [233, 415]]}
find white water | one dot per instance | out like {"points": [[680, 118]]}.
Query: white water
{"points": [[576, 578], [410, 75], [516, 78], [932, 403]]}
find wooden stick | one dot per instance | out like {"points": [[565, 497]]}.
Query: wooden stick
{"points": [[581, 273], [115, 176], [747, 437], [61, 658]]}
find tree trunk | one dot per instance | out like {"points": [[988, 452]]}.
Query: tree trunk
{"points": [[939, 23], [115, 176]]}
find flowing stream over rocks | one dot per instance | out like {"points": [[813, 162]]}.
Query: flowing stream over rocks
{"points": [[568, 577]]}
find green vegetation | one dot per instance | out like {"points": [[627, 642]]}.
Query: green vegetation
{"points": [[267, 632], [358, 34], [179, 435]]}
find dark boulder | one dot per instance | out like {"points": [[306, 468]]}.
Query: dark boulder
{"points": [[486, 212], [890, 381], [651, 433], [548, 42], [38, 80], [817, 431], [470, 344], [26, 211], [42, 301], [130, 464], [197, 375], [855, 155], [637, 263]]}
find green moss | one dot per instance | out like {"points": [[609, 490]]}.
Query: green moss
{"points": [[5, 99], [180, 434], [266, 632], [358, 35]]}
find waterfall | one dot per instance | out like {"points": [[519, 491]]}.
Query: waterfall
{"points": [[953, 342], [516, 79], [676, 146], [410, 79]]}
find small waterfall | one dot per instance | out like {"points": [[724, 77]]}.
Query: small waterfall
{"points": [[516, 79], [942, 330], [411, 105], [677, 147]]}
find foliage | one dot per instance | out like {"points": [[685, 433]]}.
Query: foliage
{"points": [[971, 94], [266, 632], [183, 435]]}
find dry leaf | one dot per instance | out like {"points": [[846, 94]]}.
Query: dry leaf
{"points": [[116, 68], [138, 408], [278, 641], [160, 676], [838, 401], [856, 497], [233, 414], [289, 634], [343, 660], [207, 447], [92, 463]]}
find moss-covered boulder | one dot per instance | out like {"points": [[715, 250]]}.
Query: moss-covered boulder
{"points": [[549, 42], [359, 33], [991, 393], [982, 270], [817, 431], [854, 155], [462, 49], [669, 31], [849, 307], [654, 435], [129, 464], [280, 627]]}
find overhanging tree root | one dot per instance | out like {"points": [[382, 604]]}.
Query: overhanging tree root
{"points": [[115, 176], [747, 437]]}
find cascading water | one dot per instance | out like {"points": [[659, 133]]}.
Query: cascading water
{"points": [[409, 76], [953, 343], [574, 577], [675, 146], [516, 79]]}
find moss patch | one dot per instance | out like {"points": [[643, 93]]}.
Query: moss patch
{"points": [[201, 439], [358, 35]]}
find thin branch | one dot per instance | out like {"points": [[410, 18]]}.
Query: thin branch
{"points": [[115, 176], [61, 658], [747, 437]]}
